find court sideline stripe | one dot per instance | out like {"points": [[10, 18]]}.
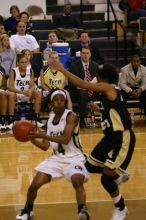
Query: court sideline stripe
{"points": [[72, 202]]}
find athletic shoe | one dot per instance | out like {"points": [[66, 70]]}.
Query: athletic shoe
{"points": [[24, 215], [4, 128], [119, 215], [122, 179], [10, 126], [83, 215], [38, 124]]}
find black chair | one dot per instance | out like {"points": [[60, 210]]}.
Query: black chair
{"points": [[37, 58], [24, 109], [73, 43], [43, 44], [41, 34], [142, 30], [42, 24]]}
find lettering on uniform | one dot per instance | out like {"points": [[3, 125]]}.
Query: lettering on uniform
{"points": [[105, 124], [77, 167], [22, 83], [59, 133], [54, 83]]}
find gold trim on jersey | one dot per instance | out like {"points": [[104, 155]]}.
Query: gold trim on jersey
{"points": [[122, 153], [76, 139], [95, 162], [116, 120]]}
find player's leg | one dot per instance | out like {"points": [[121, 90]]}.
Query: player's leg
{"points": [[3, 113], [109, 184], [95, 161], [39, 180], [123, 145], [78, 174], [11, 108], [37, 96]]}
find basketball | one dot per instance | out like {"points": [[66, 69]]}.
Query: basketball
{"points": [[21, 130]]}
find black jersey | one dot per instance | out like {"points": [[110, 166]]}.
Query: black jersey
{"points": [[115, 116]]}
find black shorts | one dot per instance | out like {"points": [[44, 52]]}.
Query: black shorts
{"points": [[114, 151]]}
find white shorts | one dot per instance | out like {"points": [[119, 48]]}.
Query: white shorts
{"points": [[2, 90], [22, 98], [59, 167]]}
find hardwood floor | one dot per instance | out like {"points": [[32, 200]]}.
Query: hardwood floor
{"points": [[57, 199]]}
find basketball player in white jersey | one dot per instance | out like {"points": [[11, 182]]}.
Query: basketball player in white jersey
{"points": [[22, 88], [67, 160], [3, 99]]}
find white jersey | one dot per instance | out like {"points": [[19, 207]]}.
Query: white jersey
{"points": [[73, 148], [22, 82], [67, 160]]}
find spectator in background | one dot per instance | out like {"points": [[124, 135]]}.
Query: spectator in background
{"points": [[21, 40], [67, 24], [52, 79], [86, 42], [52, 38], [3, 99], [136, 9], [24, 17], [80, 68], [2, 29], [133, 81], [12, 21], [8, 55], [31, 63]]}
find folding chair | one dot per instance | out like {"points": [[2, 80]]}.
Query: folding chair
{"points": [[41, 34], [41, 24], [24, 110]]}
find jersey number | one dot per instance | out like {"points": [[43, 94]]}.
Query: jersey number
{"points": [[61, 149]]}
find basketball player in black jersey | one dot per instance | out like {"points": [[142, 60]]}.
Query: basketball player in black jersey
{"points": [[113, 153]]}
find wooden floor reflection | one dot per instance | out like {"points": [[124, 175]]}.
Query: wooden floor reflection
{"points": [[57, 200]]}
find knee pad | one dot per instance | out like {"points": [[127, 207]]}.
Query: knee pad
{"points": [[108, 183]]}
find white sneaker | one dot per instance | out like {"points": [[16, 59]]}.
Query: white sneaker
{"points": [[10, 126], [119, 215], [24, 215], [122, 179], [84, 215], [38, 124]]}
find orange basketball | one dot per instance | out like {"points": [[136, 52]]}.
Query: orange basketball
{"points": [[21, 130]]}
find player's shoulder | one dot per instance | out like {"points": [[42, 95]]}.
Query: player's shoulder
{"points": [[71, 115]]}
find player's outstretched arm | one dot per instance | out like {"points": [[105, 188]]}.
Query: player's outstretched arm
{"points": [[103, 87]]}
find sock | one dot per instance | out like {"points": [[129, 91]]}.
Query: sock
{"points": [[119, 202], [11, 119], [3, 119], [37, 116], [28, 207], [117, 198], [80, 207]]}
